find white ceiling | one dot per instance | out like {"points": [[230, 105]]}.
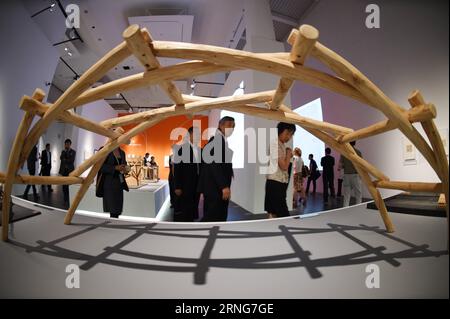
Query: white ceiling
{"points": [[103, 21]]}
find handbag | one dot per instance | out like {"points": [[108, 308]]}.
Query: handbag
{"points": [[317, 175], [305, 171]]}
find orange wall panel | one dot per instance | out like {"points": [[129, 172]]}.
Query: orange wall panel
{"points": [[156, 139]]}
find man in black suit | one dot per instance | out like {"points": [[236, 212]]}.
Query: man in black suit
{"points": [[327, 162], [46, 164], [146, 161], [217, 173], [31, 165], [187, 160], [67, 165], [312, 174]]}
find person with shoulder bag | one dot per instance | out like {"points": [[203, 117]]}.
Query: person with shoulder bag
{"points": [[111, 182]]}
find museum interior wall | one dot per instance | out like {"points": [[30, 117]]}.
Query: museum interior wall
{"points": [[28, 62], [248, 185], [402, 55]]}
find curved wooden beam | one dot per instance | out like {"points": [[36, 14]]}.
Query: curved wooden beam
{"points": [[95, 72], [173, 72], [349, 82], [248, 60], [139, 42], [149, 119], [376, 97], [38, 108], [13, 163], [417, 114], [415, 100]]}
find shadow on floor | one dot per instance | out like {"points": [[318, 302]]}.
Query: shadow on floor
{"points": [[208, 236]]}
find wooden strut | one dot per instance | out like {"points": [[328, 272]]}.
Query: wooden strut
{"points": [[416, 100], [206, 59], [301, 47], [13, 163]]}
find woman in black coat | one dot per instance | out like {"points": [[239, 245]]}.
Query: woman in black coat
{"points": [[112, 182]]}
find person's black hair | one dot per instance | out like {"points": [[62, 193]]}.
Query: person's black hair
{"points": [[191, 130], [147, 154], [328, 151], [310, 155], [352, 143], [282, 126], [48, 144], [68, 141], [226, 119]]}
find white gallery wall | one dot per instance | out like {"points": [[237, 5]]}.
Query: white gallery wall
{"points": [[409, 51], [87, 142], [248, 187], [27, 62]]}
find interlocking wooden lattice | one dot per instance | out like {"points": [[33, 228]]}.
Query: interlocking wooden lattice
{"points": [[204, 59]]}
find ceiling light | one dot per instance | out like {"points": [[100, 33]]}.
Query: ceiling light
{"points": [[52, 5], [69, 53], [66, 49]]}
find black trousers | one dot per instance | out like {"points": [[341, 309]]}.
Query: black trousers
{"points": [[27, 189], [328, 183], [313, 180], [339, 192], [66, 190], [186, 207], [215, 209], [45, 171]]}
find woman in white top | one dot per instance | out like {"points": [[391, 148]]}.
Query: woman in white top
{"points": [[298, 177], [277, 180]]}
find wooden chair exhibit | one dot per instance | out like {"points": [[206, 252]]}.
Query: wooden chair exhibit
{"points": [[204, 59]]}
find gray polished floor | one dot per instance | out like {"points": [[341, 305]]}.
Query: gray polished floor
{"points": [[325, 256]]}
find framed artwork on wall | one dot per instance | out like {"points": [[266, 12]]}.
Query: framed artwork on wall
{"points": [[409, 152]]}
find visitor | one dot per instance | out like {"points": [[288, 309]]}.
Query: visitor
{"points": [[299, 191], [146, 161], [217, 173], [340, 177], [278, 178], [313, 174], [187, 161], [31, 166], [352, 181], [46, 164], [67, 165], [111, 182], [327, 162]]}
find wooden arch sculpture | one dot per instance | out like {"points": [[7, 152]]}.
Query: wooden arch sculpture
{"points": [[206, 59]]}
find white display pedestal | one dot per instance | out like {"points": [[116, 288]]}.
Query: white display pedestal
{"points": [[145, 201]]}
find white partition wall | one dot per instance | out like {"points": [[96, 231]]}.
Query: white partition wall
{"points": [[398, 57], [248, 184]]}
